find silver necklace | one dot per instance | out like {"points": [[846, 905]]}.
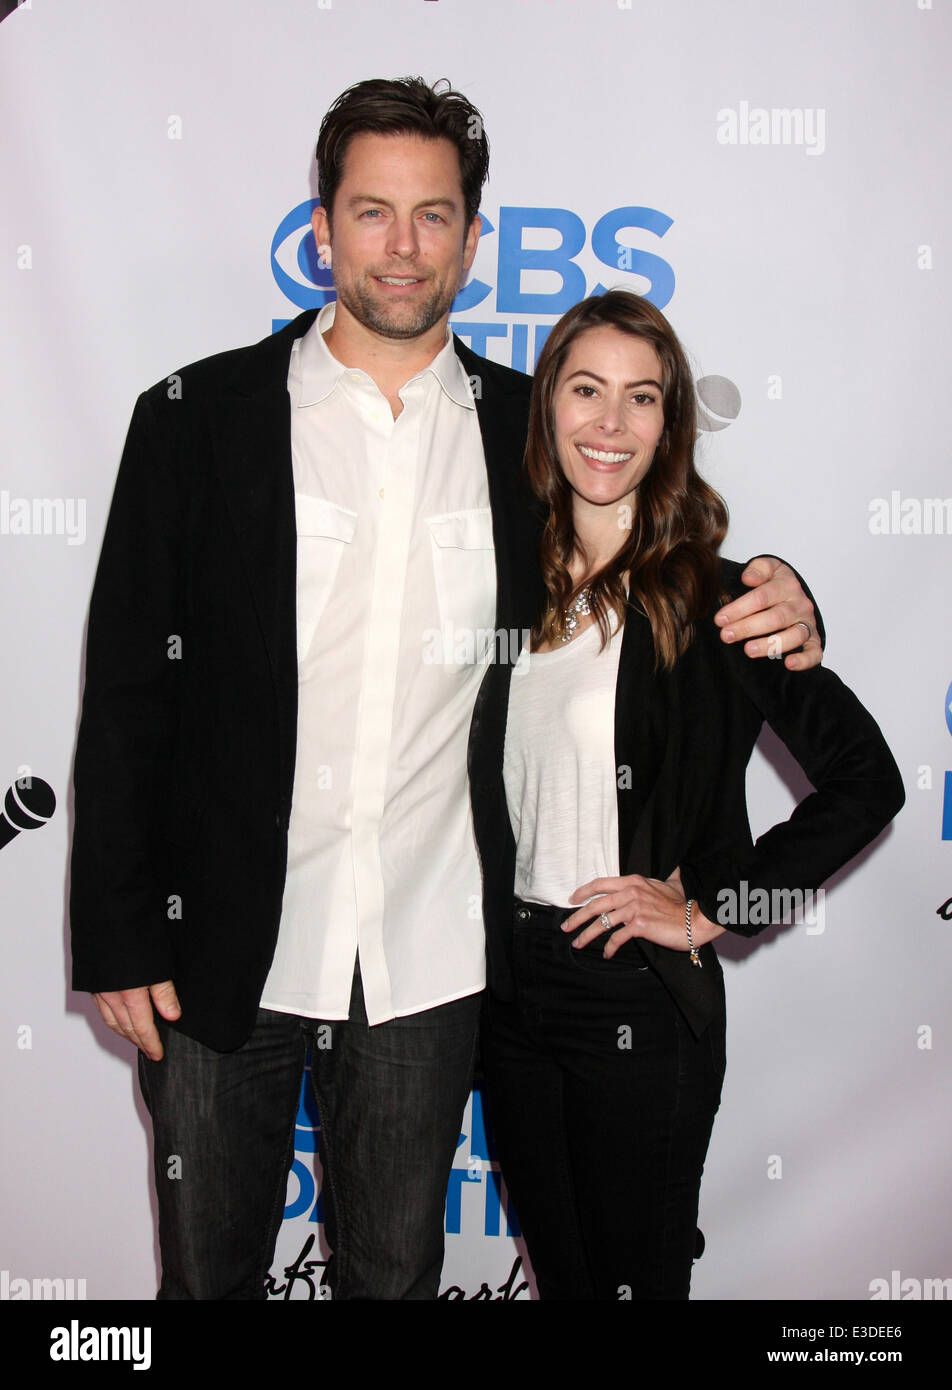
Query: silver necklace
{"points": [[580, 607]]}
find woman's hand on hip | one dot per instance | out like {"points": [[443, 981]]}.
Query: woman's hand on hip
{"points": [[631, 907]]}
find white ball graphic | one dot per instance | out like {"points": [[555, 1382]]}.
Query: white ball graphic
{"points": [[718, 402]]}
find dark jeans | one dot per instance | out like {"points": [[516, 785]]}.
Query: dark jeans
{"points": [[391, 1101], [602, 1103]]}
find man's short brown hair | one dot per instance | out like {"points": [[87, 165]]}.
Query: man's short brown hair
{"points": [[404, 106]]}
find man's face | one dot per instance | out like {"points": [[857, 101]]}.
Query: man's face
{"points": [[400, 244]]}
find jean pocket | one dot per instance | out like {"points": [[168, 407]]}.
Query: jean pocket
{"points": [[629, 957]]}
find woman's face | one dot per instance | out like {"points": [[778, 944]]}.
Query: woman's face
{"points": [[608, 415]]}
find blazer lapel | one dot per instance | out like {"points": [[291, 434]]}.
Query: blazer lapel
{"points": [[650, 822], [517, 522], [645, 746], [252, 440]]}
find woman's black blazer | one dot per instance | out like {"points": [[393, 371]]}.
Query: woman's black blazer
{"points": [[682, 743]]}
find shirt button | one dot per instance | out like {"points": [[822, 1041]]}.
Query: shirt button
{"points": [[380, 494]]}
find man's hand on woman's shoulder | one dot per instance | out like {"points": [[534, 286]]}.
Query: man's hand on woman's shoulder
{"points": [[774, 617]]}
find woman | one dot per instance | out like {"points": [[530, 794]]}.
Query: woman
{"points": [[608, 774]]}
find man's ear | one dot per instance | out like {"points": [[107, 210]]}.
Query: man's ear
{"points": [[470, 242], [321, 227]]}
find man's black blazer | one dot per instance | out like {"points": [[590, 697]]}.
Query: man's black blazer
{"points": [[682, 744], [185, 755]]}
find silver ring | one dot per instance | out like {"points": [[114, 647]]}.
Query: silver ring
{"points": [[606, 921], [801, 623]]}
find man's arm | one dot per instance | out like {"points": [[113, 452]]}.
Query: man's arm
{"points": [[118, 913], [774, 616]]}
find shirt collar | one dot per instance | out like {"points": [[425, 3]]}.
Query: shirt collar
{"points": [[318, 371]]}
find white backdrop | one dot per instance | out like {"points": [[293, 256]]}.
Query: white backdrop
{"points": [[787, 164]]}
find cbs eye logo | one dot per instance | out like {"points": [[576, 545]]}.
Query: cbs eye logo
{"points": [[507, 244], [294, 243], [307, 281]]}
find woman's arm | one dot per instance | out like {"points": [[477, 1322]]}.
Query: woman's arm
{"points": [[858, 790]]}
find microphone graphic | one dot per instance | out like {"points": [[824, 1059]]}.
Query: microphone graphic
{"points": [[26, 807]]}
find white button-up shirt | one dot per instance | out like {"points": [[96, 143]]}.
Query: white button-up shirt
{"points": [[396, 596]]}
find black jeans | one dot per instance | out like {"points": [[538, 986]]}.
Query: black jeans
{"points": [[602, 1103], [391, 1102]]}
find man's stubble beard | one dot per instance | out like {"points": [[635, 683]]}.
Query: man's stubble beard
{"points": [[401, 321]]}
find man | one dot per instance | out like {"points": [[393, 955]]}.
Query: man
{"points": [[273, 842]]}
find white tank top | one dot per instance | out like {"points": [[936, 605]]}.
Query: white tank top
{"points": [[559, 767]]}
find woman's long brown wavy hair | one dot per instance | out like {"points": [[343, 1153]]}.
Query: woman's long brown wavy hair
{"points": [[679, 521]]}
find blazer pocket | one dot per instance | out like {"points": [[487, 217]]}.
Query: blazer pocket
{"points": [[323, 529], [464, 572]]}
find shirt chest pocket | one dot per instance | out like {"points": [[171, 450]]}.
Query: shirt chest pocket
{"points": [[464, 571], [323, 530]]}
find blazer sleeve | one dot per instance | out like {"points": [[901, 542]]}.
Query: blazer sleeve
{"points": [[837, 742], [118, 920]]}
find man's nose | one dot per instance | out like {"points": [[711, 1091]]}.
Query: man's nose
{"points": [[403, 240]]}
